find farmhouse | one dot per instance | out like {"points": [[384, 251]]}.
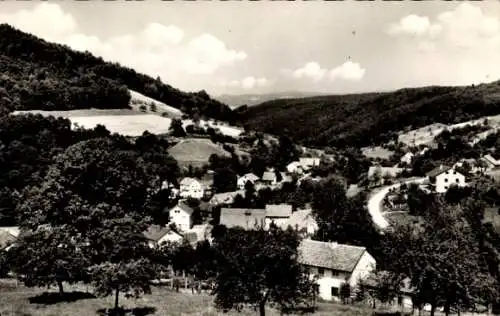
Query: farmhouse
{"points": [[241, 217], [443, 177], [242, 181], [6, 240], [191, 187], [333, 264], [181, 215], [158, 235], [302, 221], [269, 177], [277, 214], [295, 167], [308, 163]]}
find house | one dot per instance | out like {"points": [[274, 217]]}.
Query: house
{"points": [[303, 221], [181, 215], [207, 182], [245, 218], [333, 264], [158, 235], [269, 177], [491, 162], [407, 158], [191, 187], [295, 167], [308, 163], [277, 214], [225, 198], [391, 172], [443, 177], [242, 181]]}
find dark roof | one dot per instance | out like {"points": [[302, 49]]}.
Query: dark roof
{"points": [[241, 217], [278, 210], [184, 207], [330, 255], [156, 232], [437, 171]]}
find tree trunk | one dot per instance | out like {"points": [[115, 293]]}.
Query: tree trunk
{"points": [[60, 286], [262, 309], [433, 309], [117, 296]]}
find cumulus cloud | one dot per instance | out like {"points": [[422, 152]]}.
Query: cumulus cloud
{"points": [[467, 26], [310, 70], [156, 50], [414, 25], [348, 71], [248, 83]]}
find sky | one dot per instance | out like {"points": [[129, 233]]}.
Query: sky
{"points": [[238, 47]]}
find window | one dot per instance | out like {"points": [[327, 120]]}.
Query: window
{"points": [[445, 179], [457, 181], [321, 271], [446, 187], [335, 273], [335, 291]]}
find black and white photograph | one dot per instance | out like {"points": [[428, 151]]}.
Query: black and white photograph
{"points": [[240, 158]]}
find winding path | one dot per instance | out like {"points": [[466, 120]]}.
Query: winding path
{"points": [[375, 202]]}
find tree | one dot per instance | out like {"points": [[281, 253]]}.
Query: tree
{"points": [[443, 261], [225, 180], [153, 107], [345, 292], [49, 257], [102, 193], [259, 268], [176, 128]]}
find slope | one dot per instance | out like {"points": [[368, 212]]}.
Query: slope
{"points": [[371, 118], [45, 76]]}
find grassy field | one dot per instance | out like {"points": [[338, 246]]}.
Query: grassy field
{"points": [[377, 152], [22, 301]]}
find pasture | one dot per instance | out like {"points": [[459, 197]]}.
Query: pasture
{"points": [[17, 300]]}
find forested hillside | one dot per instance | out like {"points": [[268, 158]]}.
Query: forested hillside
{"points": [[365, 119], [35, 74]]}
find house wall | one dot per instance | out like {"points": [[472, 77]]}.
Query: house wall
{"points": [[181, 218], [172, 237], [448, 178], [242, 182], [279, 221], [327, 281], [365, 266], [194, 190]]}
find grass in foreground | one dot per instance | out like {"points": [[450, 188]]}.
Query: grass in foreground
{"points": [[21, 301]]}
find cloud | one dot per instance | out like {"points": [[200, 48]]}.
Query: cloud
{"points": [[348, 71], [467, 26], [157, 49], [248, 83], [311, 70], [414, 25]]}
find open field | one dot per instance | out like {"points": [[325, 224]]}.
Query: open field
{"points": [[138, 99], [22, 301], [377, 152]]}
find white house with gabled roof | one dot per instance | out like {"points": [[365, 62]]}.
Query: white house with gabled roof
{"points": [[332, 264], [443, 177], [191, 187]]}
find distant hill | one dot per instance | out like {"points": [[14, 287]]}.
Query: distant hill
{"points": [[370, 118], [38, 75], [236, 100]]}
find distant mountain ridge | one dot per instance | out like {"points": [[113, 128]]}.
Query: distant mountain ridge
{"points": [[237, 100], [38, 75], [370, 118]]}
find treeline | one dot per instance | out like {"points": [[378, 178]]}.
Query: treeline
{"points": [[30, 143], [367, 119], [45, 76]]}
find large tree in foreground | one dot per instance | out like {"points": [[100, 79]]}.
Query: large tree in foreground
{"points": [[259, 268], [101, 193]]}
